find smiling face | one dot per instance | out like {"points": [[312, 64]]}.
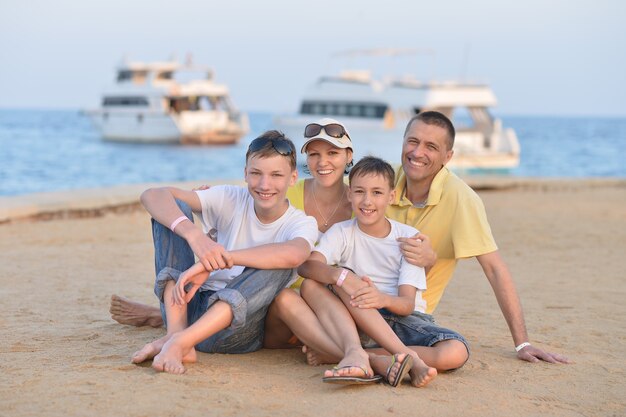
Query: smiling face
{"points": [[370, 194], [268, 179], [326, 162], [424, 151]]}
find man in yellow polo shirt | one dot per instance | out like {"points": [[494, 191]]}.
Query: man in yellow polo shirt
{"points": [[451, 217]]}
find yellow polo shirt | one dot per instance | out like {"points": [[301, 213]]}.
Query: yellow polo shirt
{"points": [[295, 195], [455, 220]]}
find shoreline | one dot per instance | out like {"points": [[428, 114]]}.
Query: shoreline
{"points": [[95, 202]]}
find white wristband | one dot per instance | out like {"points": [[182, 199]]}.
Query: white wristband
{"points": [[342, 277], [177, 222], [521, 346]]}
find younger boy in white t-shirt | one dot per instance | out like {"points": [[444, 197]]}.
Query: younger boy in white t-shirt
{"points": [[375, 274], [219, 303]]}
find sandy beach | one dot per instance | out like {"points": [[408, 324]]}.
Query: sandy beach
{"points": [[62, 355]]}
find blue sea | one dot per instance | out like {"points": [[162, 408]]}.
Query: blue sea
{"points": [[49, 150]]}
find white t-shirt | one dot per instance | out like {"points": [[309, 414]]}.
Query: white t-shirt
{"points": [[228, 212], [380, 259]]}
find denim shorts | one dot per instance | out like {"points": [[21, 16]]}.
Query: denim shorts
{"points": [[417, 329]]}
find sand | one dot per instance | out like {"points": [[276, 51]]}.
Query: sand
{"points": [[61, 354]]}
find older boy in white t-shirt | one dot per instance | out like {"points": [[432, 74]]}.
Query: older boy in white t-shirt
{"points": [[366, 247], [219, 303]]}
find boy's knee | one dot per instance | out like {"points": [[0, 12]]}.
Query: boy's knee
{"points": [[309, 287], [452, 353], [286, 300]]}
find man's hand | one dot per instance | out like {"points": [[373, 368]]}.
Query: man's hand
{"points": [[417, 250], [533, 354], [193, 278], [210, 253], [369, 296]]}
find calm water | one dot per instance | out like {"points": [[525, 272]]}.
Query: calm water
{"points": [[57, 150]]}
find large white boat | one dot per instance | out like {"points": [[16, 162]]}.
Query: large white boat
{"points": [[164, 102], [376, 113]]}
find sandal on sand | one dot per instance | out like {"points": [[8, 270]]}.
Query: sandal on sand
{"points": [[352, 380], [405, 367]]}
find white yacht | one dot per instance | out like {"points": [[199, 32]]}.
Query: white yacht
{"points": [[168, 102], [376, 113]]}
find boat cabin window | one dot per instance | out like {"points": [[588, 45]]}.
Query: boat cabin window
{"points": [[124, 76], [180, 104], [164, 75], [351, 109], [125, 102], [137, 77], [204, 103], [472, 118], [462, 119]]}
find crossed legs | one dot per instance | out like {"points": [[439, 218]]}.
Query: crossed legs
{"points": [[328, 307]]}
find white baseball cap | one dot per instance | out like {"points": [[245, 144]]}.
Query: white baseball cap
{"points": [[336, 129]]}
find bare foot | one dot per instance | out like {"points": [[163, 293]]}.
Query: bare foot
{"points": [[315, 358], [126, 311], [356, 363], [149, 351], [152, 349], [172, 356], [393, 368], [421, 374]]}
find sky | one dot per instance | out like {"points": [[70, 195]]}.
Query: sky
{"points": [[541, 57]]}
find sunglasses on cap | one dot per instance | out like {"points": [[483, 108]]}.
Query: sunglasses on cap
{"points": [[333, 130], [280, 145]]}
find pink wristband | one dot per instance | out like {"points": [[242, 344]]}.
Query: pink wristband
{"points": [[177, 222], [342, 277]]}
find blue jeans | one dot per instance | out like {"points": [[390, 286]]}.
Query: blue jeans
{"points": [[249, 294]]}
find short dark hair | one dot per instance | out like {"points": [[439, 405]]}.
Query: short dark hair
{"points": [[437, 119], [269, 149], [370, 165]]}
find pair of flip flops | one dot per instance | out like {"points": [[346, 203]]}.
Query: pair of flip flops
{"points": [[405, 367], [352, 380]]}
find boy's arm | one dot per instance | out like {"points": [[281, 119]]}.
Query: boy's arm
{"points": [[286, 255], [370, 297], [315, 268], [161, 204]]}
